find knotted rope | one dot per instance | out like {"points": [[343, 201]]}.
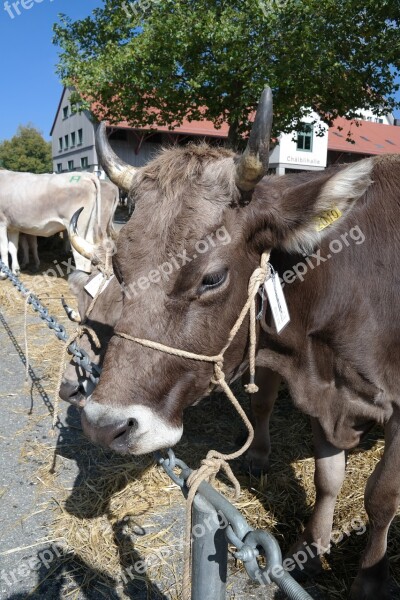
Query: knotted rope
{"points": [[216, 461]]}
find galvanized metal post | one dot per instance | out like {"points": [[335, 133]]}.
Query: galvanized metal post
{"points": [[209, 552]]}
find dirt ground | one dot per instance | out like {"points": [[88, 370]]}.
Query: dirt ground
{"points": [[74, 518]]}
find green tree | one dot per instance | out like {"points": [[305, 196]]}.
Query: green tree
{"points": [[155, 62], [27, 151]]}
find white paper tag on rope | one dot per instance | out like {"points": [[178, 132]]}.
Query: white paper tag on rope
{"points": [[277, 301], [94, 284]]}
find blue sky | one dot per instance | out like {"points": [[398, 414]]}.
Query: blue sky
{"points": [[30, 89]]}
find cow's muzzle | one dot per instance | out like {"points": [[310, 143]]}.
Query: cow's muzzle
{"points": [[135, 429], [116, 436]]}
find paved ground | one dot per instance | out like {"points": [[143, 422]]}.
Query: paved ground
{"points": [[28, 555]]}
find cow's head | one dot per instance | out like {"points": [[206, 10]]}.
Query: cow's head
{"points": [[202, 218]]}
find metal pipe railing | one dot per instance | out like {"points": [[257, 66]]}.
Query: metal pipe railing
{"points": [[218, 519]]}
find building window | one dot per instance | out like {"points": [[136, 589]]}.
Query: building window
{"points": [[66, 141], [379, 121], [59, 167], [80, 137], [73, 136], [84, 162], [70, 165], [60, 144], [65, 112], [305, 138]]}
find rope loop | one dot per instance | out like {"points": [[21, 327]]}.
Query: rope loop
{"points": [[215, 461]]}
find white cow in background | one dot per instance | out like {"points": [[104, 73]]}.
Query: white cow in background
{"points": [[42, 205]]}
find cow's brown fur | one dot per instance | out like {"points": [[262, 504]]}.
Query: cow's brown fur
{"points": [[340, 353]]}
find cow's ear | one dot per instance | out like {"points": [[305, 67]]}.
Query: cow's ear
{"points": [[295, 213]]}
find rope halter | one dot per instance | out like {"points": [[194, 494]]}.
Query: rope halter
{"points": [[257, 279], [216, 461]]}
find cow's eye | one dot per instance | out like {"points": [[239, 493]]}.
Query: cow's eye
{"points": [[213, 280]]}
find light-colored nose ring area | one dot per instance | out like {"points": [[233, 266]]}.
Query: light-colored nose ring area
{"points": [[135, 429]]}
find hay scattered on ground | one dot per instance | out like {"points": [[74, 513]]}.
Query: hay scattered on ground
{"points": [[111, 517]]}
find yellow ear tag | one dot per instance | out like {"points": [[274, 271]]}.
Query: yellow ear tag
{"points": [[327, 218]]}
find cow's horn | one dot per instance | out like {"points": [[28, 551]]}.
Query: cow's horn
{"points": [[253, 164], [71, 313], [85, 248], [118, 171]]}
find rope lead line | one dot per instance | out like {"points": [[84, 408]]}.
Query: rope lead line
{"points": [[216, 461]]}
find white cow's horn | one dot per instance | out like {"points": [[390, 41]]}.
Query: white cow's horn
{"points": [[71, 313], [118, 171], [253, 164], [85, 248]]}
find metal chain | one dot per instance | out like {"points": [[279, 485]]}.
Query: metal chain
{"points": [[249, 543], [81, 358]]}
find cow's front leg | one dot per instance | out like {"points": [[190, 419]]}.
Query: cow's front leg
{"points": [[382, 498], [3, 247], [262, 404], [13, 238], [330, 467]]}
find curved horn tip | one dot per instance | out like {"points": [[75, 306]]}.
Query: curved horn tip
{"points": [[74, 219], [120, 172], [82, 246], [253, 164], [70, 312]]}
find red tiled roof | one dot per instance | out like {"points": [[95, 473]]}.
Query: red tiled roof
{"points": [[368, 137], [187, 128]]}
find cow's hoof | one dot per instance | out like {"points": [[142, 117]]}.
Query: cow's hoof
{"points": [[35, 269], [256, 462], [3, 276], [365, 591], [17, 272], [372, 583], [303, 561], [309, 570]]}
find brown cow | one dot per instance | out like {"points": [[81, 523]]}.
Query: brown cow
{"points": [[76, 385], [340, 354]]}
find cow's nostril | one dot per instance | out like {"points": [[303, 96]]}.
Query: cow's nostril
{"points": [[124, 430], [121, 433]]}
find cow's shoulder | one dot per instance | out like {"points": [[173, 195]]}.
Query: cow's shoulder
{"points": [[324, 385]]}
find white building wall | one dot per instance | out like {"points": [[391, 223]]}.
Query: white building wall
{"points": [[368, 115], [286, 155]]}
